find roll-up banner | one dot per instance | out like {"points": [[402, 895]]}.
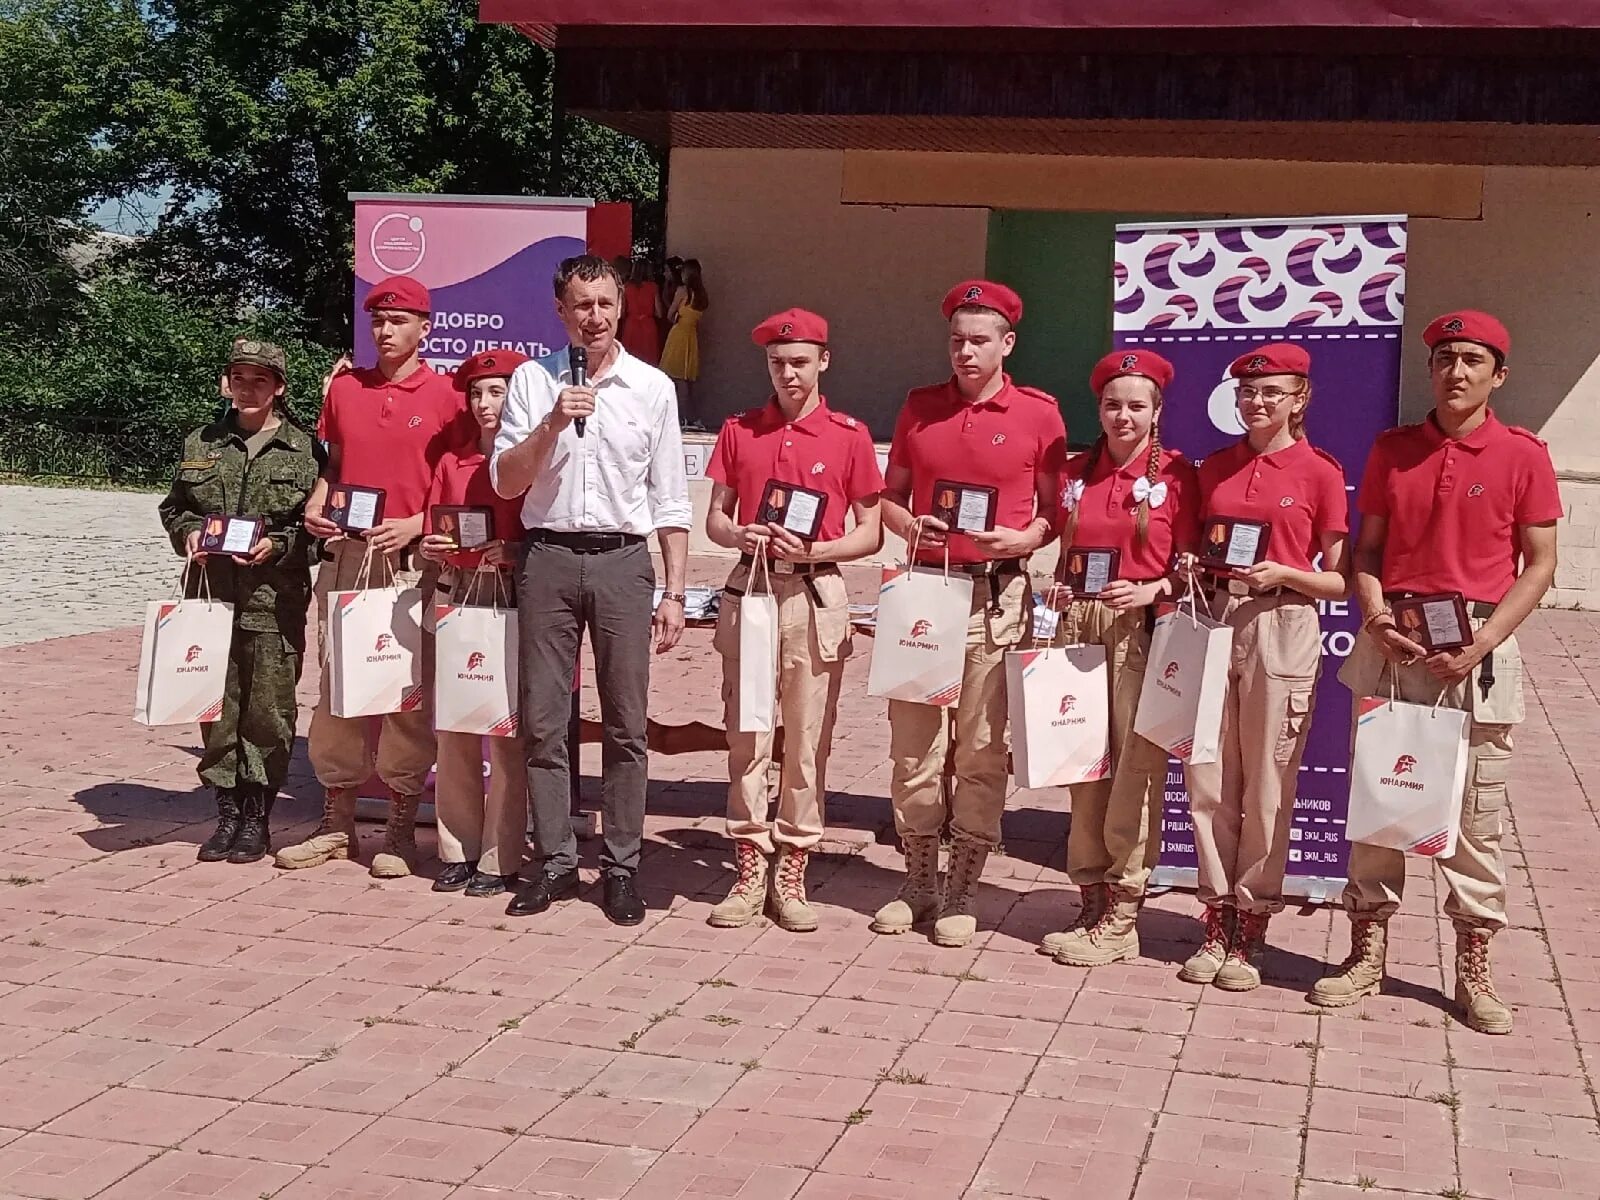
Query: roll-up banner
{"points": [[1200, 294]]}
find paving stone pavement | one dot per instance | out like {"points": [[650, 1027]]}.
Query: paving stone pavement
{"points": [[170, 1028]]}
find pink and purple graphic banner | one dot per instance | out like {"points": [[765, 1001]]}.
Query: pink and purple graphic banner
{"points": [[1201, 294], [487, 262]]}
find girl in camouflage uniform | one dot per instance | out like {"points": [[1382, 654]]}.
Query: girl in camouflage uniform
{"points": [[257, 462]]}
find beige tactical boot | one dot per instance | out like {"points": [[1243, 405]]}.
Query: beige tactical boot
{"points": [[1482, 1008], [956, 924], [1114, 937], [398, 858], [1361, 973], [1096, 899], [749, 890], [1203, 965], [1241, 970], [335, 838], [919, 896], [789, 906]]}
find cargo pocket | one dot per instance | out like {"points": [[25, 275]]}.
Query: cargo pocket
{"points": [[1296, 714], [204, 486], [1504, 705], [725, 638], [1486, 801], [832, 616], [1016, 609]]}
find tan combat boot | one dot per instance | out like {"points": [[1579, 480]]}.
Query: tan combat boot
{"points": [[1481, 1006], [1096, 899], [1361, 973], [789, 906], [335, 838], [919, 896], [749, 890], [398, 858], [956, 924], [1241, 970], [1203, 965], [1114, 937]]}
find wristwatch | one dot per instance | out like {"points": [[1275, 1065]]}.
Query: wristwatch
{"points": [[680, 597]]}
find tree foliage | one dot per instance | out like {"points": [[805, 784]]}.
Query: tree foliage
{"points": [[68, 71], [265, 117]]}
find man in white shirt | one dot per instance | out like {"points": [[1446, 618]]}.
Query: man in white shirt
{"points": [[592, 500]]}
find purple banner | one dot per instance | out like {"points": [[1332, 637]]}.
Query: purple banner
{"points": [[1203, 294]]}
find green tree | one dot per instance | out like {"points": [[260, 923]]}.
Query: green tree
{"points": [[265, 117], [68, 74]]}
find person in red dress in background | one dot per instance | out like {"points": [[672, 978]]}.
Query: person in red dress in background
{"points": [[641, 331]]}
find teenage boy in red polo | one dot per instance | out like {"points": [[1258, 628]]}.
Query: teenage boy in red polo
{"points": [[812, 465], [385, 427], [1462, 504], [977, 430]]}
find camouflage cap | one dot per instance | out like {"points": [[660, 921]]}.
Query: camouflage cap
{"points": [[259, 354]]}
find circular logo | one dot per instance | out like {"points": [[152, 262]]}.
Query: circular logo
{"points": [[398, 243], [1223, 408]]}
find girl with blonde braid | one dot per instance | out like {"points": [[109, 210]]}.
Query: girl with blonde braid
{"points": [[1131, 496]]}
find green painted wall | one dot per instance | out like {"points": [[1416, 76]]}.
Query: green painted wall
{"points": [[1060, 263]]}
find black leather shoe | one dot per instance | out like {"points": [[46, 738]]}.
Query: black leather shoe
{"points": [[455, 876], [622, 903], [544, 891], [229, 817], [490, 885]]}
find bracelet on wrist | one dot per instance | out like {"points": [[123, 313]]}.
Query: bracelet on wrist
{"points": [[675, 597], [1366, 626]]}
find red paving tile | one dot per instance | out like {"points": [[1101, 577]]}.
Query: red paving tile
{"points": [[311, 1035]]}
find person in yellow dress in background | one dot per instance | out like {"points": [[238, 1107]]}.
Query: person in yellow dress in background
{"points": [[680, 356]]}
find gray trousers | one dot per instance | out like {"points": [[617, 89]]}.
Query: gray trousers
{"points": [[560, 593]]}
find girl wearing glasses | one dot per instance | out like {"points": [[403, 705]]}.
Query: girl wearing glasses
{"points": [[1243, 804]]}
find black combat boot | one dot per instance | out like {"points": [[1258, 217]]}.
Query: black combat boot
{"points": [[216, 847], [254, 840]]}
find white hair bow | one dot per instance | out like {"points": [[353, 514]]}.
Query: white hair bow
{"points": [[1071, 495], [1144, 490]]}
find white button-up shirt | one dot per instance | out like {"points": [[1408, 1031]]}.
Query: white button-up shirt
{"points": [[625, 475]]}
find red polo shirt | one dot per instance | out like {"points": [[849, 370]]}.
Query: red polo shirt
{"points": [[1298, 491], [825, 451], [391, 434], [462, 477], [1002, 443], [1108, 511], [1454, 505]]}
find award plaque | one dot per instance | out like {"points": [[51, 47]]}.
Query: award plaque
{"points": [[355, 509], [965, 507], [1233, 543], [467, 525], [1087, 569], [1437, 622], [797, 509], [230, 535]]}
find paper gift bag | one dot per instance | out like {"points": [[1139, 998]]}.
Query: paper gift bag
{"points": [[921, 647], [1059, 703], [1408, 776], [1180, 704], [756, 710], [374, 651], [183, 660], [475, 669]]}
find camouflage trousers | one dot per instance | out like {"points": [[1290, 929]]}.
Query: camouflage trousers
{"points": [[253, 738]]}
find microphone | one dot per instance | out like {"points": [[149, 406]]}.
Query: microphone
{"points": [[578, 362]]}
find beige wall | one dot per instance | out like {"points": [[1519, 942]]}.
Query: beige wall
{"points": [[772, 230]]}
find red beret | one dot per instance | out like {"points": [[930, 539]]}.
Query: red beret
{"points": [[1130, 362], [1275, 358], [1468, 326], [791, 325], [399, 291], [488, 364], [986, 294]]}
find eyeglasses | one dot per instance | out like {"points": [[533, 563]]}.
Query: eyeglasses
{"points": [[1271, 395]]}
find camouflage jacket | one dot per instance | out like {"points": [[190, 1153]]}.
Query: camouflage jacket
{"points": [[217, 475]]}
